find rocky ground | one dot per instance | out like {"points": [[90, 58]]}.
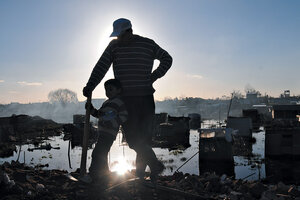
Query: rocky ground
{"points": [[18, 181]]}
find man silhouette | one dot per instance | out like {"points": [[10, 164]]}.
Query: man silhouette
{"points": [[132, 57]]}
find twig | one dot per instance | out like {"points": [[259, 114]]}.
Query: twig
{"points": [[69, 158], [19, 153], [248, 176], [187, 161]]}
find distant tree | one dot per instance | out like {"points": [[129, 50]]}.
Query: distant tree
{"points": [[182, 97], [224, 97], [168, 98], [62, 96]]}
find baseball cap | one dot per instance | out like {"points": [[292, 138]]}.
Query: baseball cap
{"points": [[119, 26]]}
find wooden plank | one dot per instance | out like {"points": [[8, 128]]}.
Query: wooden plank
{"points": [[85, 137]]}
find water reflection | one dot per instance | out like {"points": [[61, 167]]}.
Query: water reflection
{"points": [[121, 166], [250, 164], [54, 158], [219, 167]]}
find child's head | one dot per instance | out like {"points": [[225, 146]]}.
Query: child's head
{"points": [[113, 88]]}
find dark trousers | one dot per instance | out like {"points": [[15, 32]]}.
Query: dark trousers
{"points": [[138, 130], [99, 165]]}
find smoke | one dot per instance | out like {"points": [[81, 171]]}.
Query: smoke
{"points": [[55, 111], [62, 105], [249, 89], [237, 94]]}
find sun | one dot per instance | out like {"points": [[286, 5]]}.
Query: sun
{"points": [[121, 166], [104, 38]]}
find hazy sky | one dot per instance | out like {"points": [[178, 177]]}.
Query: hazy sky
{"points": [[217, 46]]}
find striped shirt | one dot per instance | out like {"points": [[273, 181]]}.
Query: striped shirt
{"points": [[111, 115], [132, 65]]}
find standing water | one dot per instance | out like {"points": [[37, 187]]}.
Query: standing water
{"points": [[122, 158]]}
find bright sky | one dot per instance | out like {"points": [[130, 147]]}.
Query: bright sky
{"points": [[217, 46]]}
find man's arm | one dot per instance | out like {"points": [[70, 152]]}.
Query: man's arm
{"points": [[99, 71], [165, 62]]}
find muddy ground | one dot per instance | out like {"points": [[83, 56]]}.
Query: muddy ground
{"points": [[18, 181]]}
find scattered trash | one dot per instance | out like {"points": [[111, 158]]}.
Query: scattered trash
{"points": [[40, 187], [18, 181], [6, 180], [47, 147]]}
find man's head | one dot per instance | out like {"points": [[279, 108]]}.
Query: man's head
{"points": [[120, 26], [113, 88]]}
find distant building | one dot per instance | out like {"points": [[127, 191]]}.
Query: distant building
{"points": [[251, 98], [286, 93], [286, 112]]}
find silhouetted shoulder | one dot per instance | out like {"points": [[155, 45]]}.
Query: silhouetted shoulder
{"points": [[113, 42], [144, 40], [112, 46]]}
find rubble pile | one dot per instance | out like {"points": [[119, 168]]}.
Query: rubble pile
{"points": [[7, 149], [24, 129], [18, 181], [27, 129], [211, 186]]}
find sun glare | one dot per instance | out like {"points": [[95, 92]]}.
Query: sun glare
{"points": [[104, 38], [121, 166]]}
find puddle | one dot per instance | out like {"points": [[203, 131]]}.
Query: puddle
{"points": [[253, 166], [65, 158]]}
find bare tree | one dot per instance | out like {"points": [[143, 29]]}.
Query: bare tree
{"points": [[62, 96]]}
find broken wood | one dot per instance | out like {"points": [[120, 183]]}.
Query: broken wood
{"points": [[85, 137]]}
